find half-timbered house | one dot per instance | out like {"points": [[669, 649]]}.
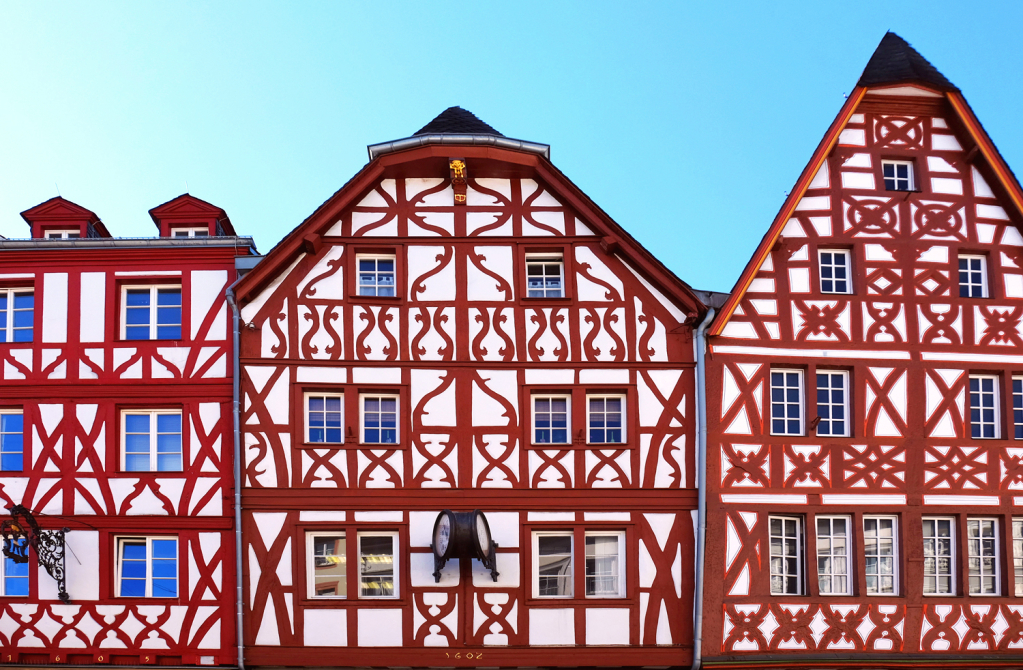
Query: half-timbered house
{"points": [[115, 426], [865, 399], [461, 328]]}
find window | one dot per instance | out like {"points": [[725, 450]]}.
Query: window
{"points": [[833, 403], [972, 277], [327, 565], [147, 567], [14, 576], [983, 406], [786, 402], [376, 275], [62, 234], [939, 561], [17, 314], [786, 555], [323, 418], [879, 552], [152, 440], [898, 175], [833, 554], [552, 554], [545, 276], [378, 565], [198, 231], [151, 313], [550, 419], [379, 419], [605, 569], [835, 268], [982, 541], [605, 418], [1017, 554], [12, 440], [1017, 406]]}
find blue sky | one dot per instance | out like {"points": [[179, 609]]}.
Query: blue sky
{"points": [[686, 122]]}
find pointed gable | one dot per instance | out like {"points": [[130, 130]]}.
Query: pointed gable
{"points": [[456, 121], [60, 213], [894, 73], [187, 211]]}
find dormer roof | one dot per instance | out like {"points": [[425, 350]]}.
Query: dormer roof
{"points": [[59, 210], [187, 208]]}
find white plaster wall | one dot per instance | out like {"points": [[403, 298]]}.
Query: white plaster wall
{"points": [[380, 628], [93, 306], [55, 307], [325, 628], [607, 626], [551, 626]]}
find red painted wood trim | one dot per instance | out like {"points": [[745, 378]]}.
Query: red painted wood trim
{"points": [[987, 148], [819, 156]]}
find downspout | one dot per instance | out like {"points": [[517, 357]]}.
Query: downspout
{"points": [[701, 481], [236, 412]]}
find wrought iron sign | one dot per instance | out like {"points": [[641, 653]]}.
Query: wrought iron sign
{"points": [[21, 532], [463, 535]]}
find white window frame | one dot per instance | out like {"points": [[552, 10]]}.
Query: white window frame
{"points": [[3, 577], [310, 544], [546, 259], [600, 396], [833, 574], [305, 409], [153, 452], [397, 418], [620, 534], [912, 175], [532, 414], [191, 230], [802, 400], [376, 286], [800, 554], [8, 329], [996, 424], [1017, 554], [62, 234], [119, 539], [952, 556], [848, 270], [984, 286], [396, 567], [844, 374], [537, 534], [153, 294], [21, 413], [995, 556], [895, 555]]}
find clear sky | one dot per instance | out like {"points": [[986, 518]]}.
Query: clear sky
{"points": [[687, 122]]}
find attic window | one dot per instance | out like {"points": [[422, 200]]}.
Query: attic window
{"points": [[545, 275], [199, 231], [898, 175], [73, 234]]}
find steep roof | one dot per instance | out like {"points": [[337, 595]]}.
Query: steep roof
{"points": [[896, 62], [892, 50], [456, 121]]}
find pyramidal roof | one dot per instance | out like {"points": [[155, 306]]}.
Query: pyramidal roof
{"points": [[456, 121], [895, 62]]}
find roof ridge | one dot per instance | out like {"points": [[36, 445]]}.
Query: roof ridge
{"points": [[457, 121], [896, 61]]}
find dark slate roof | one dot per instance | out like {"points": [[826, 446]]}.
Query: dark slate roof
{"points": [[895, 61], [456, 121]]}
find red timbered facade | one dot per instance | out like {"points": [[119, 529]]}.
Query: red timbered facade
{"points": [[865, 399], [115, 423], [460, 327]]}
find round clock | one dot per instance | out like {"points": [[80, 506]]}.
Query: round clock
{"points": [[442, 528], [481, 534]]}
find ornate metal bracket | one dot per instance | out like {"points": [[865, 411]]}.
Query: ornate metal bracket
{"points": [[19, 535]]}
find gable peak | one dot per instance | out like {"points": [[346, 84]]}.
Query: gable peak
{"points": [[896, 62], [456, 121]]}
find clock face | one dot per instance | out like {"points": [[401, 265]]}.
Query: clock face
{"points": [[442, 534], [482, 533]]}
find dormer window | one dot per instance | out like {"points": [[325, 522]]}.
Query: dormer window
{"points": [[197, 231], [898, 175], [72, 234]]}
